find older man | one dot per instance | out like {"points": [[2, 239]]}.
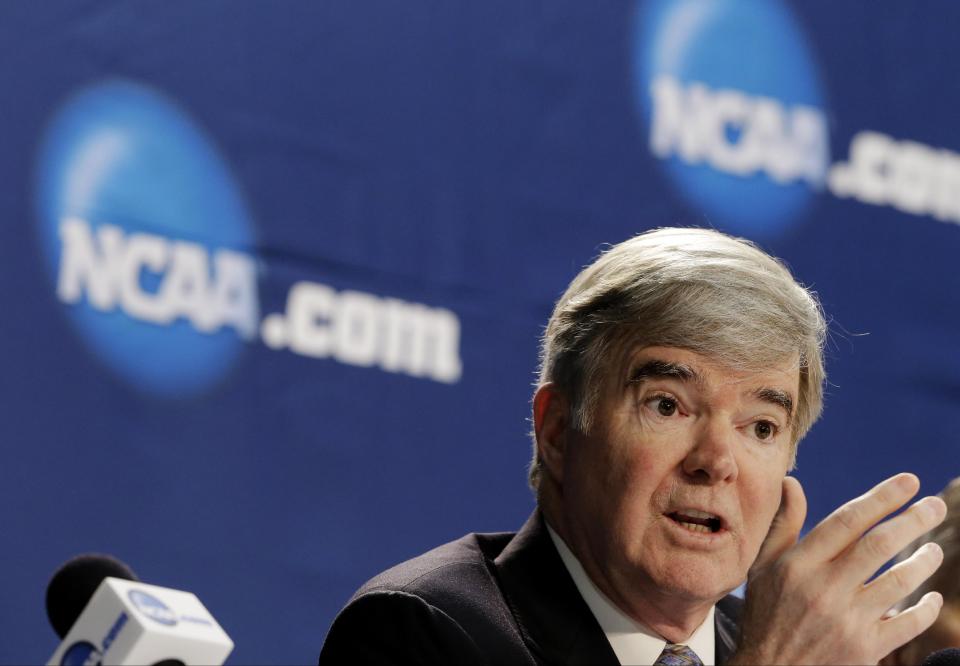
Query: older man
{"points": [[678, 373]]}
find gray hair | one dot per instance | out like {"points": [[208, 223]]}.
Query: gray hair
{"points": [[695, 289]]}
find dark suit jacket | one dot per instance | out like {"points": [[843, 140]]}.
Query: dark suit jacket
{"points": [[483, 599]]}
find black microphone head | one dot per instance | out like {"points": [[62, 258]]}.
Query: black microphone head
{"points": [[74, 583], [947, 657]]}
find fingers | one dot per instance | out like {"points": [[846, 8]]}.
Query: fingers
{"points": [[848, 523], [786, 525], [904, 578], [807, 602], [912, 622], [887, 539]]}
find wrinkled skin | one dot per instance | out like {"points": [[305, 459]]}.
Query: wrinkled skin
{"points": [[713, 442]]}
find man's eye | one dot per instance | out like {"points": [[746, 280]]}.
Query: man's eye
{"points": [[764, 429], [666, 406]]}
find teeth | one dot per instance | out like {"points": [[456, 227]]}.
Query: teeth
{"points": [[693, 513], [694, 527]]}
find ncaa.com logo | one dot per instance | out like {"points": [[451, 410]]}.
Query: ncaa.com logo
{"points": [[733, 101], [152, 249]]}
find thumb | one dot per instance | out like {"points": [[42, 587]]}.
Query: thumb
{"points": [[786, 525]]}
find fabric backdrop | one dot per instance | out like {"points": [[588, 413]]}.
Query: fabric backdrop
{"points": [[274, 273]]}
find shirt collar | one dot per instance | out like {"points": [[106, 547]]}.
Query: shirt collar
{"points": [[632, 641]]}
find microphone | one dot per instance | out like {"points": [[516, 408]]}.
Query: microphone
{"points": [[104, 614], [71, 587], [947, 657]]}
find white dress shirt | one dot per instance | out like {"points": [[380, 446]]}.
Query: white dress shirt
{"points": [[632, 642]]}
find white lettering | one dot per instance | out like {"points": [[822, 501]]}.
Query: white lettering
{"points": [[870, 154], [811, 141], [309, 307], [110, 268], [910, 176], [365, 330], [142, 252], [945, 200], [738, 133], [421, 341], [913, 177], [442, 342], [404, 337], [730, 111], [89, 266], [158, 280], [355, 329], [235, 292], [186, 288]]}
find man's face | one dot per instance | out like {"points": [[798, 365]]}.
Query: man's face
{"points": [[674, 489]]}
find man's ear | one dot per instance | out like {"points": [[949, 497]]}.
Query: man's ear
{"points": [[551, 424]]}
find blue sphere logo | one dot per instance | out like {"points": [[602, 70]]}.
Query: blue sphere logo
{"points": [[147, 238], [732, 100], [152, 607]]}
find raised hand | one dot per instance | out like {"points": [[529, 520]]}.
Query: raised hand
{"points": [[810, 602]]}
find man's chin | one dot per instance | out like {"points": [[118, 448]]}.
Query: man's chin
{"points": [[695, 582]]}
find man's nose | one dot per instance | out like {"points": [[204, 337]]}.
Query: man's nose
{"points": [[711, 458]]}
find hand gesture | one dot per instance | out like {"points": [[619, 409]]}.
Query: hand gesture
{"points": [[810, 602]]}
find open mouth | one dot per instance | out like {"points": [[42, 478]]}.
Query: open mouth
{"points": [[696, 521]]}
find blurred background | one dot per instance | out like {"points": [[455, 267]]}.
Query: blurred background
{"points": [[274, 273]]}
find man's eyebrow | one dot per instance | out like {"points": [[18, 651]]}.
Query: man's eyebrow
{"points": [[777, 397], [656, 369]]}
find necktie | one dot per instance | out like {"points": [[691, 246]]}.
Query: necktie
{"points": [[677, 655]]}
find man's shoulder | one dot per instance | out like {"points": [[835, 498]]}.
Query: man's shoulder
{"points": [[445, 602], [445, 570]]}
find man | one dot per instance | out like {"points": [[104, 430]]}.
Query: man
{"points": [[945, 632], [678, 373]]}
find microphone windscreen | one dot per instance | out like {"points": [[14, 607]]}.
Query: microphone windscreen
{"points": [[74, 583], [947, 657]]}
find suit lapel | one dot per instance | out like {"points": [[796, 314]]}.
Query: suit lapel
{"points": [[554, 620], [726, 621]]}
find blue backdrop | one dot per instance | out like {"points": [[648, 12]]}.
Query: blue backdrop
{"points": [[274, 273]]}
